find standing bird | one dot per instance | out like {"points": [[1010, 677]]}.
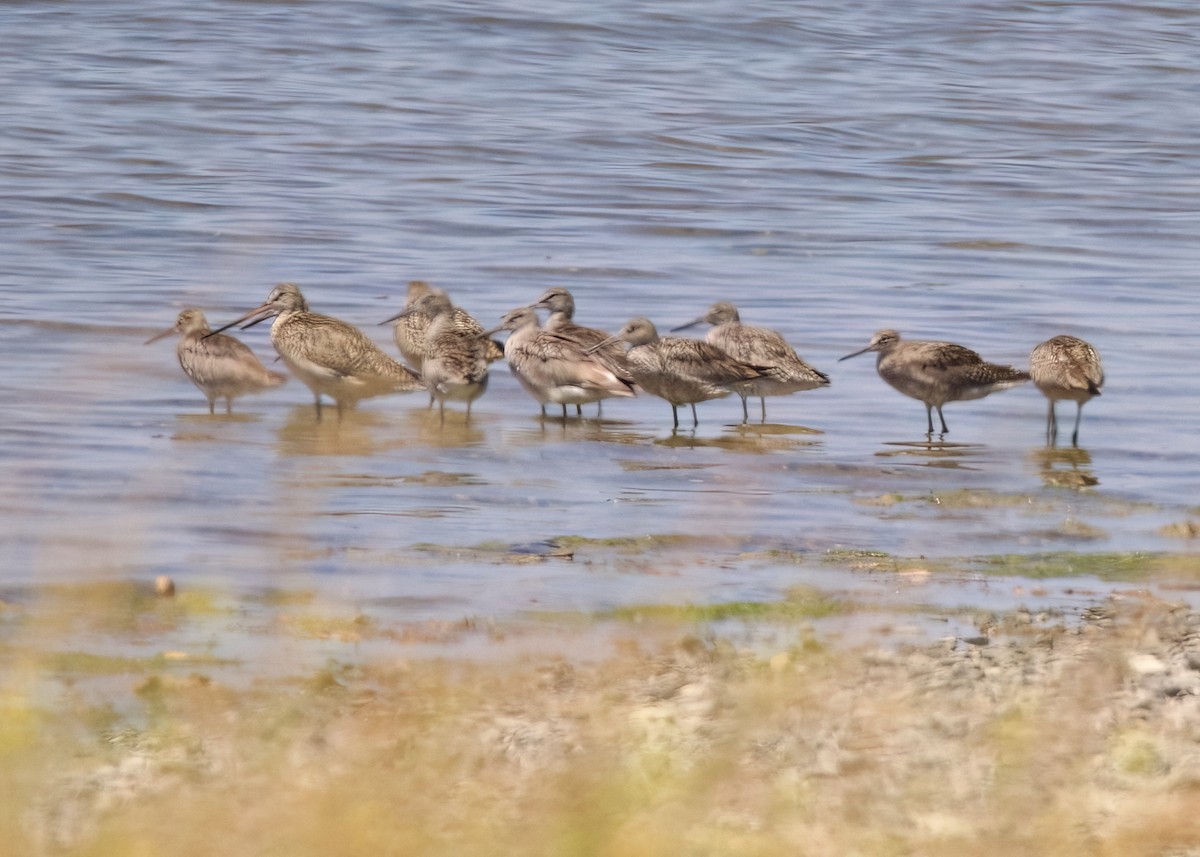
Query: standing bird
{"points": [[331, 357], [454, 363], [937, 372], [1066, 367], [758, 346], [412, 322], [221, 366], [553, 369], [682, 371], [561, 322]]}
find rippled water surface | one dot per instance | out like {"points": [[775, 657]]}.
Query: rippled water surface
{"points": [[995, 174]]}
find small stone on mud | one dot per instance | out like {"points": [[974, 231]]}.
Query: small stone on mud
{"points": [[164, 586], [1144, 664]]}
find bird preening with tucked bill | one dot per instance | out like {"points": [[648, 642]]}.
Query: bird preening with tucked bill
{"points": [[784, 370], [1066, 367]]}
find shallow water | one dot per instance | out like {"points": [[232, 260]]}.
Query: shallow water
{"points": [[994, 176]]}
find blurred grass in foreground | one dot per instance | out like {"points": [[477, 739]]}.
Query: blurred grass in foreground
{"points": [[1049, 740]]}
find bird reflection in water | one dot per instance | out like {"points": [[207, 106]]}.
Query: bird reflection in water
{"points": [[1065, 467]]}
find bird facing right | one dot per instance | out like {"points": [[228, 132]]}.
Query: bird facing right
{"points": [[1066, 367], [785, 372], [937, 372]]}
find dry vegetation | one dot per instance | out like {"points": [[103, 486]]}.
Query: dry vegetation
{"points": [[1043, 739]]}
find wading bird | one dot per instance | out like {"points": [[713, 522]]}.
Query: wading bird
{"points": [[331, 357], [221, 366], [786, 372], [1066, 367], [937, 372]]}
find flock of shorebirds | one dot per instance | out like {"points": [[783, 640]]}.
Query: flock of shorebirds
{"points": [[562, 363]]}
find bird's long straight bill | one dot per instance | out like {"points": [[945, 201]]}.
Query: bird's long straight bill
{"points": [[159, 336], [600, 345], [691, 323], [251, 318], [404, 313], [855, 354]]}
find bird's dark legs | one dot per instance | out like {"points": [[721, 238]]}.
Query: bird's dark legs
{"points": [[1051, 425], [929, 418]]}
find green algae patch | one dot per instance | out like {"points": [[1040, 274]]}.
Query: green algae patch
{"points": [[633, 544], [117, 607], [317, 626], [800, 603], [1132, 566], [872, 560], [274, 597], [443, 479], [504, 553], [77, 663]]}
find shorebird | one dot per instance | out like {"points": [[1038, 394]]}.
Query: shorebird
{"points": [[553, 369], [221, 366], [758, 346], [331, 357], [561, 322], [682, 371], [937, 372], [454, 363], [411, 323], [1066, 367]]}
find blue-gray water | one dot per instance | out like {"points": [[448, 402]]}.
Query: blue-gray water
{"points": [[988, 172]]}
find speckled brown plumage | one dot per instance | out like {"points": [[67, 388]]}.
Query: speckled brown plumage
{"points": [[1066, 367], [937, 372], [411, 324], [454, 362], [554, 369], [221, 366], [682, 371], [785, 371], [331, 357]]}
